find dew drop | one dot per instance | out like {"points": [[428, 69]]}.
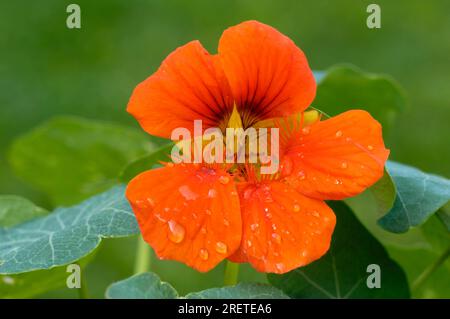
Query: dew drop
{"points": [[337, 182], [233, 193], [276, 238], [344, 165], [286, 166], [315, 213], [338, 133], [254, 227], [224, 179], [348, 139], [304, 253], [249, 243], [280, 267], [221, 248], [176, 232], [212, 193], [370, 147], [248, 193], [274, 227], [140, 203], [296, 208], [187, 193], [208, 212], [306, 130], [203, 230], [8, 280], [301, 175], [166, 209], [226, 222], [203, 253], [151, 202]]}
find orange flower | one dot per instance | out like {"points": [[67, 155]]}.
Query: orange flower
{"points": [[201, 214]]}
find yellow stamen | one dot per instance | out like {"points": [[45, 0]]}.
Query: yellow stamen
{"points": [[235, 120]]}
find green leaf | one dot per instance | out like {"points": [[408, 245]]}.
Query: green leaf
{"points": [[342, 272], [34, 283], [418, 196], [240, 291], [415, 262], [71, 158], [141, 286], [150, 286], [15, 210], [444, 216], [146, 162], [346, 87], [67, 234]]}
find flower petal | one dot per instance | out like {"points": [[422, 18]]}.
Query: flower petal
{"points": [[336, 158], [187, 213], [189, 85], [282, 229], [268, 74]]}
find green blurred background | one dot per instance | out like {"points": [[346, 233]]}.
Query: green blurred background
{"points": [[47, 69]]}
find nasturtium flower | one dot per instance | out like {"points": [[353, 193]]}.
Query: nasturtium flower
{"points": [[201, 214]]}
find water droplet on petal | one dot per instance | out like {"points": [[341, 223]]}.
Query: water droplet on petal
{"points": [[306, 130], [286, 166], [203, 253], [224, 179], [221, 248], [338, 133], [348, 139], [203, 230], [226, 222], [344, 165], [280, 267], [337, 182], [248, 193], [151, 202], [315, 213], [276, 238], [304, 253], [296, 208], [187, 193], [208, 212], [301, 175], [274, 227], [254, 227], [176, 232], [212, 193], [370, 147], [249, 243]]}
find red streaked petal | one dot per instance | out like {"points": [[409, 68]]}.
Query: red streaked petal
{"points": [[268, 74], [336, 158], [282, 229], [187, 213], [189, 85]]}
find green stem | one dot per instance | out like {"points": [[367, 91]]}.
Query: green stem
{"points": [[429, 270], [83, 290], [143, 257], [231, 274]]}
